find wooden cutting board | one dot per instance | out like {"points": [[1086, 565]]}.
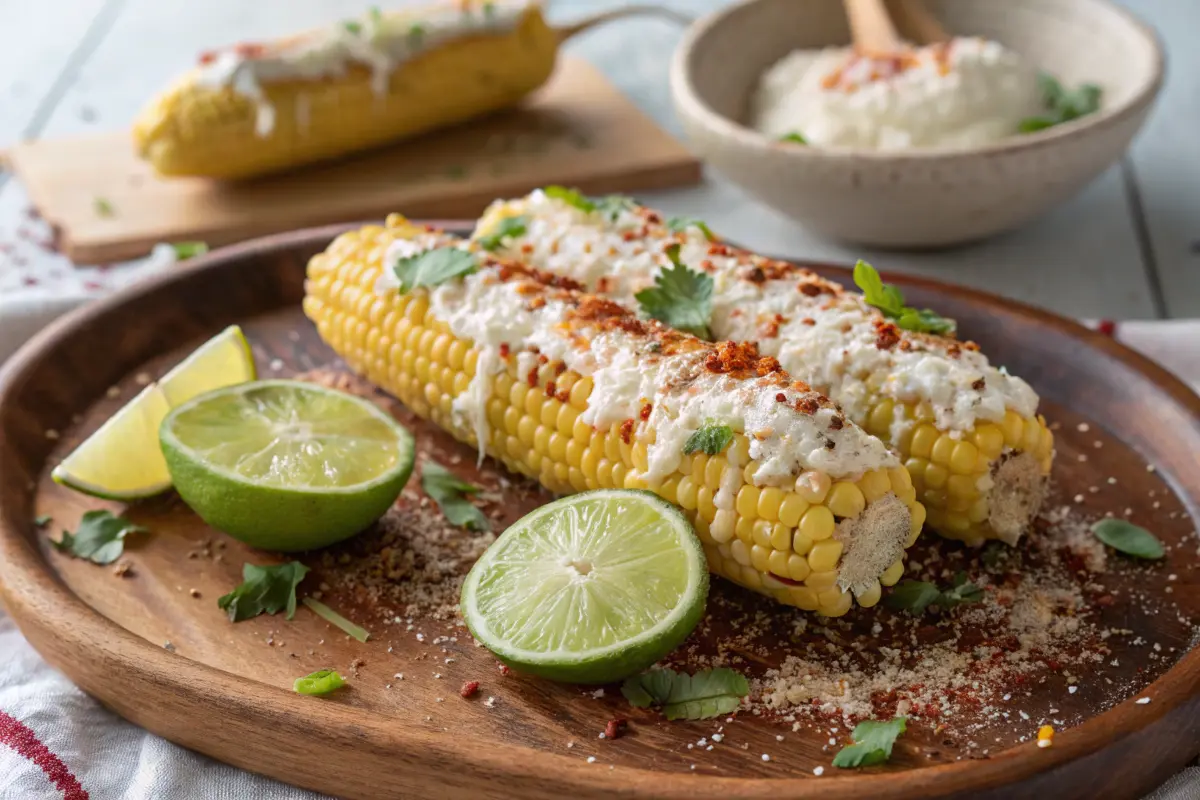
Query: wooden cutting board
{"points": [[153, 646], [579, 130]]}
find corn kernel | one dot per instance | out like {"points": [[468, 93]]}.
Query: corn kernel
{"points": [[640, 457], [963, 457], [801, 543], [892, 574], [821, 580], [548, 414], [747, 501], [759, 556], [824, 555], [740, 552], [935, 476], [845, 500], [781, 536], [667, 491], [989, 439], [797, 567], [713, 471], [942, 449], [723, 525], [817, 523], [791, 509], [833, 602], [604, 469], [923, 440], [583, 432], [802, 597], [917, 512], [963, 486], [813, 486], [874, 485], [879, 421], [580, 393], [769, 500], [526, 428], [777, 562], [870, 596], [687, 494], [761, 532], [1014, 428], [1032, 438], [704, 502]]}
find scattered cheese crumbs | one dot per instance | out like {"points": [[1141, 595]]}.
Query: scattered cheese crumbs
{"points": [[766, 757], [717, 737], [1083, 427], [1141, 701], [818, 771], [1072, 689], [490, 702], [591, 759]]}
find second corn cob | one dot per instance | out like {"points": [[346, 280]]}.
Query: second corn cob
{"points": [[977, 452], [797, 502], [257, 108]]}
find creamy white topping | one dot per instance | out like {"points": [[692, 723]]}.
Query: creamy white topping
{"points": [[965, 93], [826, 340], [380, 42], [628, 372]]}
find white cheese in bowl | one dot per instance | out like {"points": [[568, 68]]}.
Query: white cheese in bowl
{"points": [[962, 93]]}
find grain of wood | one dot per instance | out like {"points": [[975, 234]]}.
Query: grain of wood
{"points": [[223, 689]]}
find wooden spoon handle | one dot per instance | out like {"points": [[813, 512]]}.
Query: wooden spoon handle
{"points": [[567, 31], [871, 27], [915, 19]]}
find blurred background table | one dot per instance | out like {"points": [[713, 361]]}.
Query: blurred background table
{"points": [[1127, 248]]}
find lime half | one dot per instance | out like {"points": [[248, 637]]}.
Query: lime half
{"points": [[122, 460], [591, 588], [285, 465]]}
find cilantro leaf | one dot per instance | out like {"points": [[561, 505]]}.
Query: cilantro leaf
{"points": [[1125, 537], [186, 250], [264, 590], [681, 224], [572, 197], [873, 743], [448, 491], [507, 228], [337, 620], [103, 207], [710, 439], [1062, 105], [794, 137], [100, 537], [916, 596], [680, 298], [612, 205], [709, 693], [352, 26], [890, 300], [321, 682], [433, 267], [416, 35], [42, 520]]}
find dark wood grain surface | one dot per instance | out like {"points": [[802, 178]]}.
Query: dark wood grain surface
{"points": [[224, 689]]}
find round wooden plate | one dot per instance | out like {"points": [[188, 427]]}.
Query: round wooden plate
{"points": [[224, 689]]}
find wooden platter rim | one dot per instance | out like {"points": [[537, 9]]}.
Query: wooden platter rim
{"points": [[58, 624]]}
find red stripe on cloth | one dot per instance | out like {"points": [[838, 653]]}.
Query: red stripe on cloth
{"points": [[21, 738]]}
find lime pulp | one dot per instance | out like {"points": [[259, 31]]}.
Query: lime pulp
{"points": [[591, 588]]}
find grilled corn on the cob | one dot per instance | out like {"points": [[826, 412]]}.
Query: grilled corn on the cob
{"points": [[254, 109], [789, 498], [969, 434]]}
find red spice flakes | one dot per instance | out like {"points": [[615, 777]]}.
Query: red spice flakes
{"points": [[504, 350], [720, 250], [550, 389], [614, 728], [532, 377], [808, 405], [780, 398], [604, 285], [504, 669], [836, 424], [469, 689], [562, 396], [208, 57], [809, 289], [808, 321], [756, 275], [979, 385], [644, 414], [887, 335], [537, 302], [1107, 327], [629, 236], [526, 248], [652, 217], [627, 431]]}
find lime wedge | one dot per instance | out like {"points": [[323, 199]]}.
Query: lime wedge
{"points": [[286, 465], [223, 360], [122, 460], [591, 588]]}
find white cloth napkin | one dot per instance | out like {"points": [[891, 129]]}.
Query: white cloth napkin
{"points": [[56, 742]]}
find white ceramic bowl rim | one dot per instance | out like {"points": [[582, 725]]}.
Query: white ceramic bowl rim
{"points": [[688, 98]]}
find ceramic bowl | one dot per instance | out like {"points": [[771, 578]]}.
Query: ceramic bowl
{"points": [[931, 197]]}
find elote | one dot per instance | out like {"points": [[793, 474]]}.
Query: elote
{"points": [[788, 496], [258, 108], [969, 434]]}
